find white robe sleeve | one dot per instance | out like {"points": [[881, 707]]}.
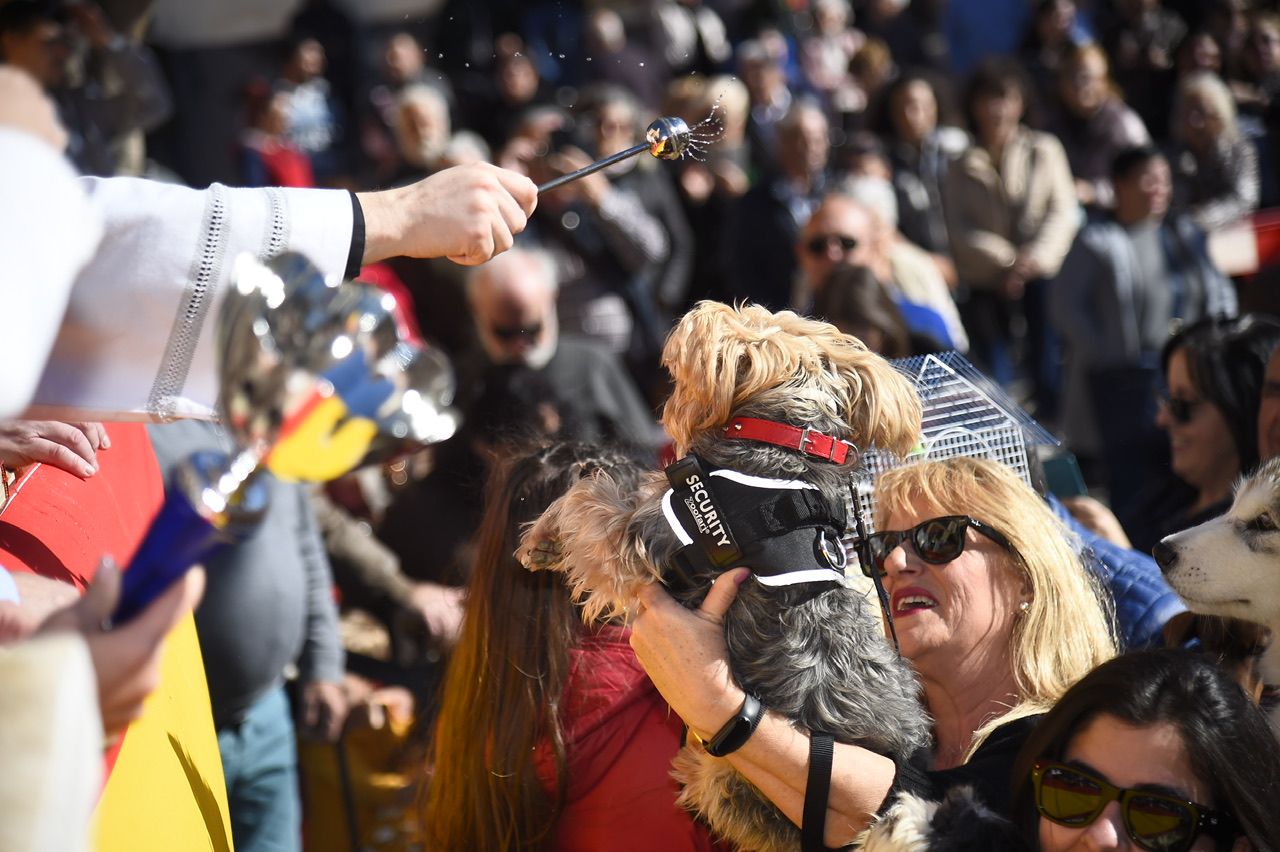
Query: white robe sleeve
{"points": [[48, 231], [138, 340]]}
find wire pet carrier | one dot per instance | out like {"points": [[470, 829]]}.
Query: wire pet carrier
{"points": [[965, 414]]}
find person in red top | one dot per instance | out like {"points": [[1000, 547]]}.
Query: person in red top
{"points": [[550, 735], [267, 156]]}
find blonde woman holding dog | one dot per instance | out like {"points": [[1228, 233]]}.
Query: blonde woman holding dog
{"points": [[990, 603]]}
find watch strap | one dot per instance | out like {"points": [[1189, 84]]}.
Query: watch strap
{"points": [[738, 729]]}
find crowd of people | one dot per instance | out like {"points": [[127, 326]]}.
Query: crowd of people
{"points": [[1043, 185]]}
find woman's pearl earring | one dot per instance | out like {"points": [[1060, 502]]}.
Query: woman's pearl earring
{"points": [[1024, 607]]}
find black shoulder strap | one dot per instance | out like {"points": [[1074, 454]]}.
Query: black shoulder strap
{"points": [[816, 790]]}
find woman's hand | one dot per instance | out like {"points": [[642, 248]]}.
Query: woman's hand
{"points": [[1097, 518], [685, 655]]}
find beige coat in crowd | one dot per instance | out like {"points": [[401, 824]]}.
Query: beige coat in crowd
{"points": [[1026, 203]]}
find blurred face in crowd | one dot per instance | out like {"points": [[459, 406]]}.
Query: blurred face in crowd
{"points": [[1144, 194], [764, 79], [1200, 53], [41, 51], [1151, 757], [1228, 22], [1202, 451], [1136, 10], [830, 17], [513, 304], [1269, 411], [803, 146], [1262, 50], [1201, 122], [840, 231], [403, 58], [1054, 23], [1084, 84], [615, 128], [604, 32], [422, 129], [307, 61], [945, 614], [915, 111], [997, 115], [517, 78]]}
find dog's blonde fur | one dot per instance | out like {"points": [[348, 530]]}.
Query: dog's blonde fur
{"points": [[814, 655], [722, 359]]}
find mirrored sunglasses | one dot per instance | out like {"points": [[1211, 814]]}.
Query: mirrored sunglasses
{"points": [[936, 541], [1072, 797]]}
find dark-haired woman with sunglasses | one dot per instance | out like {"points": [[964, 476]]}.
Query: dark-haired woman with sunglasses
{"points": [[1213, 371], [1155, 750]]}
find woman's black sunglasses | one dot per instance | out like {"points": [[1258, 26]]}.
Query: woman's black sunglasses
{"points": [[1073, 797], [936, 541], [1181, 410], [819, 244], [508, 334]]}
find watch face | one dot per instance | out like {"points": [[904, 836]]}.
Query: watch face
{"points": [[831, 550]]}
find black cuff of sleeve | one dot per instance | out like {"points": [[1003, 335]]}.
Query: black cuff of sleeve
{"points": [[355, 257], [911, 775]]}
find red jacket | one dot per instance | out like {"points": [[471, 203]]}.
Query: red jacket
{"points": [[620, 737]]}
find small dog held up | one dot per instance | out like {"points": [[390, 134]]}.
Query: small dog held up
{"points": [[768, 414]]}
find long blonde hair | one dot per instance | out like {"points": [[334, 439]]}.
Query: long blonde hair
{"points": [[1069, 628]]}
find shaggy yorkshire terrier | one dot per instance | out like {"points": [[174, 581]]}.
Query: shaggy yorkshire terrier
{"points": [[749, 384]]}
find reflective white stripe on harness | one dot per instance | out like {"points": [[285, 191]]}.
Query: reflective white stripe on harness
{"points": [[672, 521], [761, 481], [793, 578]]}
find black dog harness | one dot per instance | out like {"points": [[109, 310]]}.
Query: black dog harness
{"points": [[784, 530]]}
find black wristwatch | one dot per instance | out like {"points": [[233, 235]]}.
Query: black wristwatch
{"points": [[738, 729]]}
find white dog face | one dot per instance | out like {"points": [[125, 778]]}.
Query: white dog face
{"points": [[1230, 565]]}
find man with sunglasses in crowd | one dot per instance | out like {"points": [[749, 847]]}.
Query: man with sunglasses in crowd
{"points": [[513, 304], [843, 232]]}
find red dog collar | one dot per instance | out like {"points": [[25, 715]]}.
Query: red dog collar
{"points": [[805, 440]]}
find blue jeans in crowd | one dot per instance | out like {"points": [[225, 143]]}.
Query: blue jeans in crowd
{"points": [[260, 762]]}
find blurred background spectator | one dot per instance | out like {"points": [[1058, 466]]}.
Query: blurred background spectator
{"points": [[106, 86]]}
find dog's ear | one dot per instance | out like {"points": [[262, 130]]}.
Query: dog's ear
{"points": [[882, 407], [721, 358]]}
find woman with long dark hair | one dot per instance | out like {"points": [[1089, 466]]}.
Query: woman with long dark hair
{"points": [[1213, 372], [1158, 747], [550, 735]]}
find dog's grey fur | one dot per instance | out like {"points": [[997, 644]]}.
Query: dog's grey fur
{"points": [[816, 655]]}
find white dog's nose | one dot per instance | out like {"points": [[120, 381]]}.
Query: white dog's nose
{"points": [[1165, 554]]}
